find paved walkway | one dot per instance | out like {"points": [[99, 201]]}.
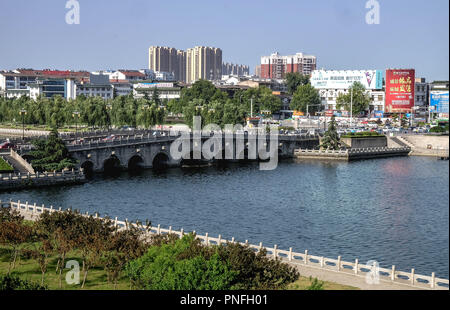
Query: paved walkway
{"points": [[347, 278]]}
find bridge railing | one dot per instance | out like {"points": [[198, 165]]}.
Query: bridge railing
{"points": [[355, 268]]}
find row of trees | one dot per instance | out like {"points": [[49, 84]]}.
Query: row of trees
{"points": [[92, 111], [158, 262]]}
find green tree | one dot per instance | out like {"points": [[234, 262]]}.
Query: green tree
{"points": [[306, 95], [331, 140], [51, 154], [294, 80], [361, 99]]}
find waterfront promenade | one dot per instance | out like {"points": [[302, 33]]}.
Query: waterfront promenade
{"points": [[323, 268]]}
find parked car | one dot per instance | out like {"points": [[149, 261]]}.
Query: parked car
{"points": [[7, 145]]}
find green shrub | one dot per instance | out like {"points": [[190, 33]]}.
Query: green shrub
{"points": [[162, 269], [188, 264], [4, 166], [11, 283]]}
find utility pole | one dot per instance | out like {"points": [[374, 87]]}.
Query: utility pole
{"points": [[351, 107]]}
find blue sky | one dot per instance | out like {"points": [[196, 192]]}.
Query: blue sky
{"points": [[116, 34]]}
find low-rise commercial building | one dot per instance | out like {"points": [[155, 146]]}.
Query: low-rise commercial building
{"points": [[166, 90], [98, 86], [333, 83]]}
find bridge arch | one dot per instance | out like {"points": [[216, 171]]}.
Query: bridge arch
{"points": [[88, 167], [112, 164], [135, 162], [160, 161]]}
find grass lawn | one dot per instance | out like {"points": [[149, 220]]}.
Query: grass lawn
{"points": [[4, 166], [28, 269], [303, 283]]}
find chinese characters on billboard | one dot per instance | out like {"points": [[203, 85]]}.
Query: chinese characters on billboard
{"points": [[400, 86]]}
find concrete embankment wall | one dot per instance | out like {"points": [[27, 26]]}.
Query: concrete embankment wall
{"points": [[20, 181], [336, 270], [365, 142]]}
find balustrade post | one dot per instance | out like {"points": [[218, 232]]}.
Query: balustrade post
{"points": [[115, 222], [306, 257], [433, 280], [393, 273], [339, 263], [246, 242], [182, 232], [275, 251], [260, 246], [290, 254], [356, 266], [18, 205], [322, 261], [206, 239], [412, 276], [232, 240], [220, 240], [170, 230], [159, 229]]}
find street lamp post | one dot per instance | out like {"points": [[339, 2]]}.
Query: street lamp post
{"points": [[76, 115], [109, 109], [23, 112]]}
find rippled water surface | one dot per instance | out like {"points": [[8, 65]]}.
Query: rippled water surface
{"points": [[391, 210]]}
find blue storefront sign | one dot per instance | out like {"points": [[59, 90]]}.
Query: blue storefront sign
{"points": [[378, 114], [439, 101]]}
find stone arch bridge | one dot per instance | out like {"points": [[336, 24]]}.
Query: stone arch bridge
{"points": [[148, 151]]}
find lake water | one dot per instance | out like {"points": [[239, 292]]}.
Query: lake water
{"points": [[394, 211]]}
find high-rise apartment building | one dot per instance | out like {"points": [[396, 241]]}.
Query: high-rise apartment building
{"points": [[188, 66], [167, 59], [203, 63], [276, 66]]}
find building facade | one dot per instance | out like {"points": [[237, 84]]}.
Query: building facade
{"points": [[234, 69], [276, 66], [333, 83], [168, 59], [203, 63], [421, 96], [165, 90], [98, 86]]}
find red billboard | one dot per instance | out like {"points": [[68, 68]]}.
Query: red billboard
{"points": [[400, 85]]}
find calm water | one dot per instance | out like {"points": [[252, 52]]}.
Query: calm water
{"points": [[395, 211]]}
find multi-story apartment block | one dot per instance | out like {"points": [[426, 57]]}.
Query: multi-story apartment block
{"points": [[203, 63], [168, 59], [276, 66]]}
